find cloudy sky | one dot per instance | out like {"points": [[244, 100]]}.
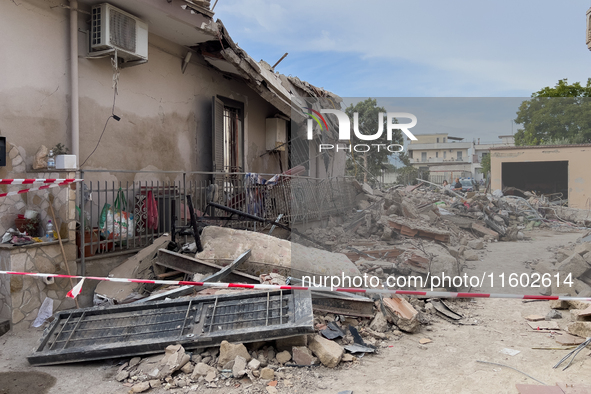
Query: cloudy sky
{"points": [[428, 48]]}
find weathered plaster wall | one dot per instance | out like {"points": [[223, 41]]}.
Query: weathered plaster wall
{"points": [[165, 114], [579, 162]]}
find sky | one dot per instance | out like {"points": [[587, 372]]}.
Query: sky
{"points": [[428, 48]]}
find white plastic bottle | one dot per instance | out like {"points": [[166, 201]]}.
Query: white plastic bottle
{"points": [[50, 160], [49, 231]]}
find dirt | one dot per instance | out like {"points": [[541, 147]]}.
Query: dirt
{"points": [[25, 382], [448, 364]]}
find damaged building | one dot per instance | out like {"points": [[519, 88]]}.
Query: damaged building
{"points": [[163, 113]]}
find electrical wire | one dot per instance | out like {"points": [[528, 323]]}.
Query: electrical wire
{"points": [[515, 369], [113, 116]]}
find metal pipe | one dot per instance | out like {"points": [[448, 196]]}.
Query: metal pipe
{"points": [[74, 110]]}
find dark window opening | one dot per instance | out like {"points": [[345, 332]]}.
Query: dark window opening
{"points": [[545, 177], [228, 135]]}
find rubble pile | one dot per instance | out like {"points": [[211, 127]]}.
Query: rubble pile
{"points": [[572, 263]]}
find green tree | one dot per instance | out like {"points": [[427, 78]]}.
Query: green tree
{"points": [[375, 160], [559, 114], [485, 164]]}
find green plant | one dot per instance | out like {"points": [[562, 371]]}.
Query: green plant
{"points": [[31, 227], [60, 149]]}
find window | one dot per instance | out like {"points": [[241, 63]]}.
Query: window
{"points": [[437, 154], [444, 155], [423, 156], [443, 139], [459, 155], [228, 135], [437, 139], [410, 154]]}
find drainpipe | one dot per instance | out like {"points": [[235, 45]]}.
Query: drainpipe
{"points": [[74, 114]]}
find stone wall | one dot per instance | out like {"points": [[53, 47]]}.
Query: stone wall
{"points": [[26, 294], [5, 298]]}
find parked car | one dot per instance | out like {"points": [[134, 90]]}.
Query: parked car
{"points": [[467, 185]]}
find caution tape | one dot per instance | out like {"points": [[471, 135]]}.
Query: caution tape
{"points": [[33, 181], [63, 182], [433, 294]]}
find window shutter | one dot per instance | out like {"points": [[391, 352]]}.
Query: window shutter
{"points": [[217, 137]]}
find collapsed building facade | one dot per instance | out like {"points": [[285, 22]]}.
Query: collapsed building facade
{"points": [[162, 106]]}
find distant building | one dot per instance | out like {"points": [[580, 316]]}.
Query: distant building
{"points": [[559, 170], [482, 149], [445, 157]]}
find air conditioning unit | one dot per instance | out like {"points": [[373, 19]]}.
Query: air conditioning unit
{"points": [[276, 134], [112, 28]]}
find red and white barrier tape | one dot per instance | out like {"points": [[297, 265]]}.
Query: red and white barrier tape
{"points": [[434, 294], [64, 182], [32, 181]]}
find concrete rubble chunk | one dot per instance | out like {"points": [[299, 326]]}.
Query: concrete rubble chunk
{"points": [[254, 364], [484, 231], [379, 323], [239, 368], [283, 357], [269, 253], [267, 374], [580, 328], [229, 351], [574, 265], [202, 369], [303, 356], [140, 387], [401, 313], [328, 352], [173, 360], [583, 248], [367, 189], [122, 376], [476, 244], [471, 255]]}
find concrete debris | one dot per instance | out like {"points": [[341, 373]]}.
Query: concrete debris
{"points": [[239, 368], [303, 356], [283, 357], [229, 351], [580, 328], [271, 254], [328, 352], [401, 313]]}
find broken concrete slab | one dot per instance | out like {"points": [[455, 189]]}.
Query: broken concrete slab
{"points": [[134, 267], [568, 340], [401, 313], [412, 229], [574, 265], [328, 352], [580, 328], [484, 231], [269, 254], [283, 357]]}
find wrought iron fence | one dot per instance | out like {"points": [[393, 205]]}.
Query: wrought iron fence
{"points": [[119, 215]]}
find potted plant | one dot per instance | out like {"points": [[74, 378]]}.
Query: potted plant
{"points": [[63, 161], [29, 226], [90, 236]]}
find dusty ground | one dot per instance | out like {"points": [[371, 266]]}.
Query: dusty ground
{"points": [[446, 365]]}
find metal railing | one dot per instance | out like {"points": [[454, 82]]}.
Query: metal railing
{"points": [[107, 227]]}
